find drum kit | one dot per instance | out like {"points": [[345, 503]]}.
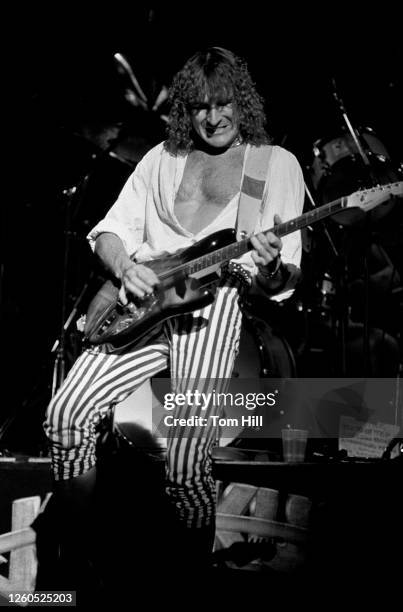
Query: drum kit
{"points": [[342, 257]]}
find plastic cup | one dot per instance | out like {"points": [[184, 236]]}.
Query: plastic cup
{"points": [[294, 444]]}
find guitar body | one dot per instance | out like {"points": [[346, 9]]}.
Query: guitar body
{"points": [[109, 322]]}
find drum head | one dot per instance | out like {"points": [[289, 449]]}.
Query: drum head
{"points": [[133, 420], [265, 360]]}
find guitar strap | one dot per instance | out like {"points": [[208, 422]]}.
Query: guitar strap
{"points": [[253, 189]]}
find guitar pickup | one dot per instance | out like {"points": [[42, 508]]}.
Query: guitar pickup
{"points": [[130, 307]]}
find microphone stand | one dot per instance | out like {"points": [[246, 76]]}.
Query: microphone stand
{"points": [[59, 367], [341, 271], [59, 345], [354, 134], [74, 199]]}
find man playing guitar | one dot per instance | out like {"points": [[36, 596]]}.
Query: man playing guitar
{"points": [[182, 191]]}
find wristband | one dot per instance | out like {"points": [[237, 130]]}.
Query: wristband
{"points": [[267, 274]]}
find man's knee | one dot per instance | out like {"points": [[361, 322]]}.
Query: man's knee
{"points": [[61, 424]]}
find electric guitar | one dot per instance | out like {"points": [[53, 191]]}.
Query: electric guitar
{"points": [[187, 277]]}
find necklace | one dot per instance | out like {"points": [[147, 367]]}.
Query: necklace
{"points": [[236, 142]]}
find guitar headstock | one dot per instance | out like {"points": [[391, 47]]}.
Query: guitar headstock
{"points": [[370, 198]]}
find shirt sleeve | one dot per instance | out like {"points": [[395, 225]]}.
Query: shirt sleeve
{"points": [[285, 197], [126, 218]]}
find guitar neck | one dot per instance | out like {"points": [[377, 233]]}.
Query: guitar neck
{"points": [[310, 217], [236, 249]]}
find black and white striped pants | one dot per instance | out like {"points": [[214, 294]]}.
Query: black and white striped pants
{"points": [[200, 349]]}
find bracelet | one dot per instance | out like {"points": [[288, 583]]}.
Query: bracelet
{"points": [[267, 274]]}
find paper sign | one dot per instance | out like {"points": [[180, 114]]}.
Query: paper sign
{"points": [[362, 439]]}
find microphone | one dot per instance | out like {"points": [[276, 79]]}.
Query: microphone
{"points": [[125, 69], [162, 96]]}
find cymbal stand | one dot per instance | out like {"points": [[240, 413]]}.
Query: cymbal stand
{"points": [[374, 180]]}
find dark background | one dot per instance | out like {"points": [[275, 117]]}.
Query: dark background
{"points": [[63, 92]]}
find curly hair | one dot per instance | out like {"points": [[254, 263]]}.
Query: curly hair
{"points": [[214, 74]]}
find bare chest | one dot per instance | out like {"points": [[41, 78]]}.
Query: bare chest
{"points": [[208, 185]]}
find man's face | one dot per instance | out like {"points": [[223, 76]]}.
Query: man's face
{"points": [[216, 123]]}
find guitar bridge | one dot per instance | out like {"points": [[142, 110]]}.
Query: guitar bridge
{"points": [[131, 313]]}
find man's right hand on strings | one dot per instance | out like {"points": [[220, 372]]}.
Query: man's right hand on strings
{"points": [[137, 280]]}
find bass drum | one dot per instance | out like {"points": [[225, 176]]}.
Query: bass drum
{"points": [[338, 170], [262, 352], [265, 360], [133, 421], [263, 355]]}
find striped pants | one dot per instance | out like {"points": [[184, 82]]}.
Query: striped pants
{"points": [[200, 349]]}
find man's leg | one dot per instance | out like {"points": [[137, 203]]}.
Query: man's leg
{"points": [[203, 351], [96, 381]]}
